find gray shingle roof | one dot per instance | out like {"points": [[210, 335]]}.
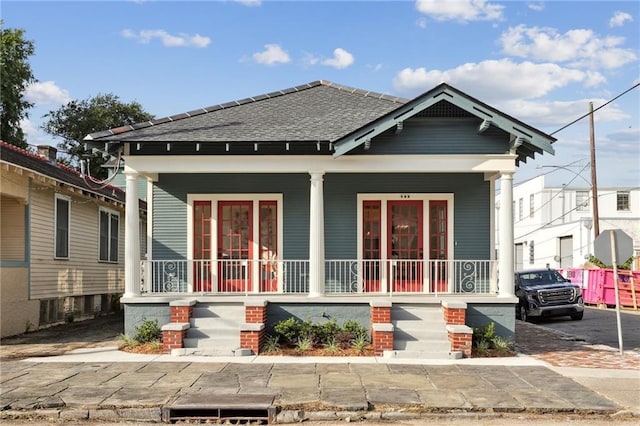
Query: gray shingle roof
{"points": [[58, 171], [317, 111]]}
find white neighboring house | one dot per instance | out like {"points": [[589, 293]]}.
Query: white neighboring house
{"points": [[553, 226]]}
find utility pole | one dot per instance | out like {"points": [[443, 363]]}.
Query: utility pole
{"points": [[594, 183]]}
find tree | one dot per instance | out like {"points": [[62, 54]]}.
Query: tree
{"points": [[75, 120], [15, 76]]}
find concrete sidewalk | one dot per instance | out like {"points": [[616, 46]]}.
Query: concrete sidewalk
{"points": [[108, 385]]}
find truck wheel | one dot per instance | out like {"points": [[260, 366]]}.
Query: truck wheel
{"points": [[524, 315], [578, 316]]}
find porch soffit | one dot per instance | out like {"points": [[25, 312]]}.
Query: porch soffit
{"points": [[529, 140], [478, 163]]}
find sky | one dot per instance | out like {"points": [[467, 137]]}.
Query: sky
{"points": [[542, 62]]}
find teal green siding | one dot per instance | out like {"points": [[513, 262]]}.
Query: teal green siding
{"points": [[170, 207], [503, 315], [471, 208], [438, 136]]}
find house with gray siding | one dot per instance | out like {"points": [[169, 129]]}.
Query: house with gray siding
{"points": [[323, 201]]}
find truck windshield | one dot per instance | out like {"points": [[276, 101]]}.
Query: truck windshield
{"points": [[541, 277]]}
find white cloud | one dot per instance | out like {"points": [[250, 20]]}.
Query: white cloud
{"points": [[460, 10], [35, 135], [538, 7], [341, 59], [626, 135], [249, 3], [422, 22], [619, 19], [46, 93], [273, 54], [579, 47], [495, 79], [309, 60], [167, 40], [558, 113]]}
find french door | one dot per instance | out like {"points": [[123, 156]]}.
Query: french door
{"points": [[397, 240], [404, 245], [235, 245], [438, 249]]}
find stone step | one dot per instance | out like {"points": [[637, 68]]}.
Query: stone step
{"points": [[212, 333], [418, 312], [226, 344], [430, 334], [437, 346], [411, 354], [216, 323], [420, 325]]}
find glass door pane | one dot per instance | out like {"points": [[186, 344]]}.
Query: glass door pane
{"points": [[235, 221], [371, 248], [438, 244], [404, 220], [268, 235], [202, 246]]}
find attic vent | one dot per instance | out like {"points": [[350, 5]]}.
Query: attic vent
{"points": [[444, 109]]}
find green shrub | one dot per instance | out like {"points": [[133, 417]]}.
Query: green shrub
{"points": [[328, 333], [128, 342], [354, 327], [271, 344], [304, 344], [289, 329], [332, 346], [148, 331], [360, 343], [485, 339]]}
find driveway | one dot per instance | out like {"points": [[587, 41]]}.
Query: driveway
{"points": [[57, 340]]}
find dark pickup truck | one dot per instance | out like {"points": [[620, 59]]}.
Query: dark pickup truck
{"points": [[546, 293]]}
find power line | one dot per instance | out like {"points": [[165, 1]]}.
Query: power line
{"points": [[600, 107]]}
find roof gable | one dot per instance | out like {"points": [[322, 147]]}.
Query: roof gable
{"points": [[526, 139]]}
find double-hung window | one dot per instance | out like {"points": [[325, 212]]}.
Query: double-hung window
{"points": [[109, 233], [622, 201], [582, 200], [62, 221]]}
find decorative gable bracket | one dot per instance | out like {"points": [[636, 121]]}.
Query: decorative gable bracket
{"points": [[530, 139]]}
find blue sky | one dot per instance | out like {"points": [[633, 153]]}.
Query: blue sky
{"points": [[540, 61]]}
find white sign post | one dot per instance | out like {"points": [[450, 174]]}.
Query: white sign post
{"points": [[619, 245]]}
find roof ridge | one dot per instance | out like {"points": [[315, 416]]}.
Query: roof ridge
{"points": [[58, 164], [231, 104]]}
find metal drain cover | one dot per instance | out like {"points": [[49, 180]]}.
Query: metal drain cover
{"points": [[221, 407]]}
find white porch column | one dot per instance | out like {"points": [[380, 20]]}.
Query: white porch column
{"points": [[131, 238], [505, 257], [316, 235]]}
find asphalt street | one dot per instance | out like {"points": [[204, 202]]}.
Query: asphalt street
{"points": [[599, 326]]}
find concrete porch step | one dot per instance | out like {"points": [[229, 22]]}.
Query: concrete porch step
{"points": [[414, 354], [423, 345]]}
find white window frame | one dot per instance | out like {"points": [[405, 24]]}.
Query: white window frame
{"points": [[215, 199], [55, 227], [520, 209], [582, 201], [628, 203], [110, 213], [532, 199]]}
